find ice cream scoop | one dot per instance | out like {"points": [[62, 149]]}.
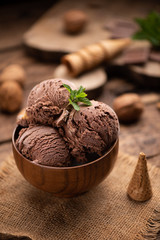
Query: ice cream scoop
{"points": [[65, 181], [91, 131], [47, 100], [43, 145]]}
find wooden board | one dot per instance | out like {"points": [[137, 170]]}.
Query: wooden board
{"points": [[47, 38], [146, 74], [93, 81]]}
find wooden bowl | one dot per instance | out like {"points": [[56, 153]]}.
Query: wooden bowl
{"points": [[65, 181]]}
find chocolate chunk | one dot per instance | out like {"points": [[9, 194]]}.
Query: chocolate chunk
{"points": [[135, 55], [121, 28]]}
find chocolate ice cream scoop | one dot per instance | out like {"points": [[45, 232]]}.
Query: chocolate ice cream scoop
{"points": [[43, 145], [90, 131], [47, 100]]}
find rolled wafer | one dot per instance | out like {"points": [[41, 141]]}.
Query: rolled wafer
{"points": [[139, 188], [75, 63], [92, 55], [112, 47], [95, 55]]}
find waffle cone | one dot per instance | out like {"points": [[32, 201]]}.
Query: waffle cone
{"points": [[139, 188], [95, 54], [91, 56], [74, 63], [112, 47]]}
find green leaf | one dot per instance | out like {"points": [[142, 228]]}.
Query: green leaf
{"points": [[149, 28], [86, 101], [139, 35], [70, 101], [80, 90], [76, 107], [68, 87], [77, 96], [83, 94], [72, 95]]}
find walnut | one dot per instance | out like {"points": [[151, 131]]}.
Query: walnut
{"points": [[128, 107], [74, 21], [158, 106], [11, 96], [13, 72]]}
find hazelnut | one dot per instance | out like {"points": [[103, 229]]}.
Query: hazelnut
{"points": [[128, 107], [74, 21], [11, 96], [13, 72]]}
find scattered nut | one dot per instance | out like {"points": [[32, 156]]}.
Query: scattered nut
{"points": [[158, 106], [74, 21], [13, 72], [128, 107], [11, 96]]}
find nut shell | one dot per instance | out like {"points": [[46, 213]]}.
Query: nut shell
{"points": [[13, 72], [74, 21], [11, 96], [128, 107]]}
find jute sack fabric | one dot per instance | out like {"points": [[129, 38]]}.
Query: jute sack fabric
{"points": [[104, 213]]}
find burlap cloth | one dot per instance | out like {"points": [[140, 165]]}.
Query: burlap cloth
{"points": [[103, 213]]}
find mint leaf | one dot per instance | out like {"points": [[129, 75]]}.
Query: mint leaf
{"points": [[80, 90], [68, 87], [85, 101], [76, 107], [77, 96], [149, 29], [74, 93], [83, 94]]}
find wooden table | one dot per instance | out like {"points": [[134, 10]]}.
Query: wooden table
{"points": [[15, 19]]}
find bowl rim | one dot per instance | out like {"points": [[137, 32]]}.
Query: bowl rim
{"points": [[61, 168]]}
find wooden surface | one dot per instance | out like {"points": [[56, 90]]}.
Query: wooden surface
{"points": [[47, 37], [141, 136]]}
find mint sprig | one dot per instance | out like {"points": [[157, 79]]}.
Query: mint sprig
{"points": [[77, 96], [149, 28]]}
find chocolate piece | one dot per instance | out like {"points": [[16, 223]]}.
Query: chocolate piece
{"points": [[132, 55], [121, 28], [135, 55]]}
